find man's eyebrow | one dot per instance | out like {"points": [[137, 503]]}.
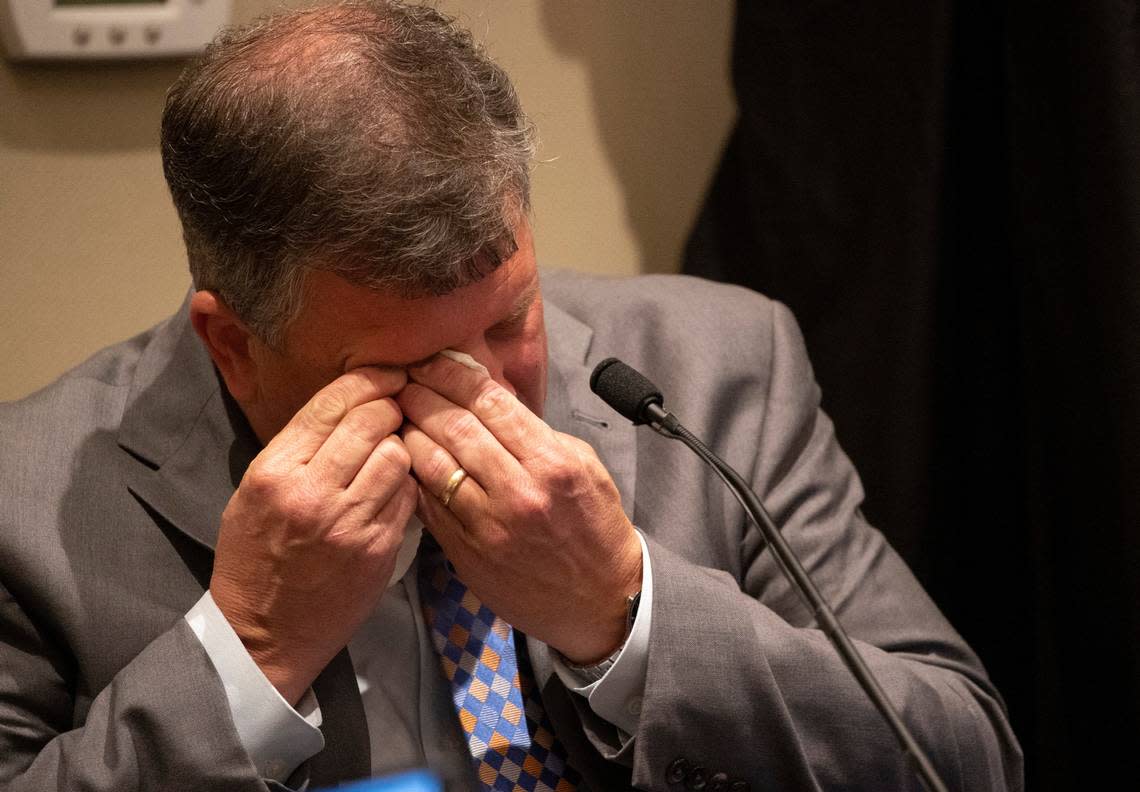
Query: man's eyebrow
{"points": [[523, 305]]}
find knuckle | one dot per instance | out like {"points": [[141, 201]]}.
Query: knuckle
{"points": [[380, 407], [298, 502], [461, 426], [534, 506], [372, 420], [261, 479], [352, 389], [448, 375], [394, 450], [327, 406], [580, 447], [496, 539], [438, 465], [392, 379], [414, 438], [410, 395], [560, 472], [389, 410], [493, 400], [361, 423]]}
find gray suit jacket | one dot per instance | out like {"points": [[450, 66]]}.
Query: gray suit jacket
{"points": [[113, 479]]}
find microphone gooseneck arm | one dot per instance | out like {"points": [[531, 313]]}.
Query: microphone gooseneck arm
{"points": [[638, 399]]}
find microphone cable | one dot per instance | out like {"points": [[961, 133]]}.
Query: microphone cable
{"points": [[630, 393]]}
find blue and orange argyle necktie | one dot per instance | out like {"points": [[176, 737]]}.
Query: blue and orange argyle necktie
{"points": [[511, 739]]}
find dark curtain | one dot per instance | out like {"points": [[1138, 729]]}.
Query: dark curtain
{"points": [[947, 194]]}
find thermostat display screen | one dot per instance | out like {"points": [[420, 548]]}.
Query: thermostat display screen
{"points": [[108, 29]]}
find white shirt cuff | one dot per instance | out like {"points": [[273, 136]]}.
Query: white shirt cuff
{"points": [[276, 737], [617, 696]]}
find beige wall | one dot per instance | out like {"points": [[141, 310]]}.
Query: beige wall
{"points": [[631, 99]]}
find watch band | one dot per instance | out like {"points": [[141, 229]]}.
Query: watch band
{"points": [[592, 673], [631, 615]]}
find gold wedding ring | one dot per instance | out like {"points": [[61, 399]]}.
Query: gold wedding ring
{"points": [[452, 485]]}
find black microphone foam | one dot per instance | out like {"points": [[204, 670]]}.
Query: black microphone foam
{"points": [[625, 389]]}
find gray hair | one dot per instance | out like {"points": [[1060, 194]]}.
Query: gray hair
{"points": [[374, 140]]}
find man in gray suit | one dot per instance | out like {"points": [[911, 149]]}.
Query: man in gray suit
{"points": [[199, 526]]}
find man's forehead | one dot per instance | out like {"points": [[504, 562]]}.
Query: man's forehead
{"points": [[347, 320], [505, 286]]}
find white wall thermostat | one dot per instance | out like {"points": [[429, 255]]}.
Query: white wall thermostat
{"points": [[108, 29]]}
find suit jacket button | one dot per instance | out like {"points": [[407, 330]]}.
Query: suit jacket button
{"points": [[677, 770], [740, 786], [718, 782], [697, 779]]}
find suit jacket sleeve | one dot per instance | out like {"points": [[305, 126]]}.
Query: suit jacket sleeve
{"points": [[162, 722], [739, 680]]}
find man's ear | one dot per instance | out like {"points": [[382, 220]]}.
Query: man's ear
{"points": [[228, 341]]}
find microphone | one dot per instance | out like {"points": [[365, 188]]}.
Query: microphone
{"points": [[629, 392], [625, 389]]}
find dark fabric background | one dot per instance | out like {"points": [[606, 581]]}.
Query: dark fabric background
{"points": [[947, 194]]}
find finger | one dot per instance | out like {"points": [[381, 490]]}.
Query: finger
{"points": [[459, 432], [392, 519], [443, 525], [516, 428], [310, 427], [434, 466], [385, 471], [352, 442], [398, 509]]}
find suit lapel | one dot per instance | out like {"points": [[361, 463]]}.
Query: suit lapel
{"points": [[572, 408], [190, 441], [191, 445]]}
